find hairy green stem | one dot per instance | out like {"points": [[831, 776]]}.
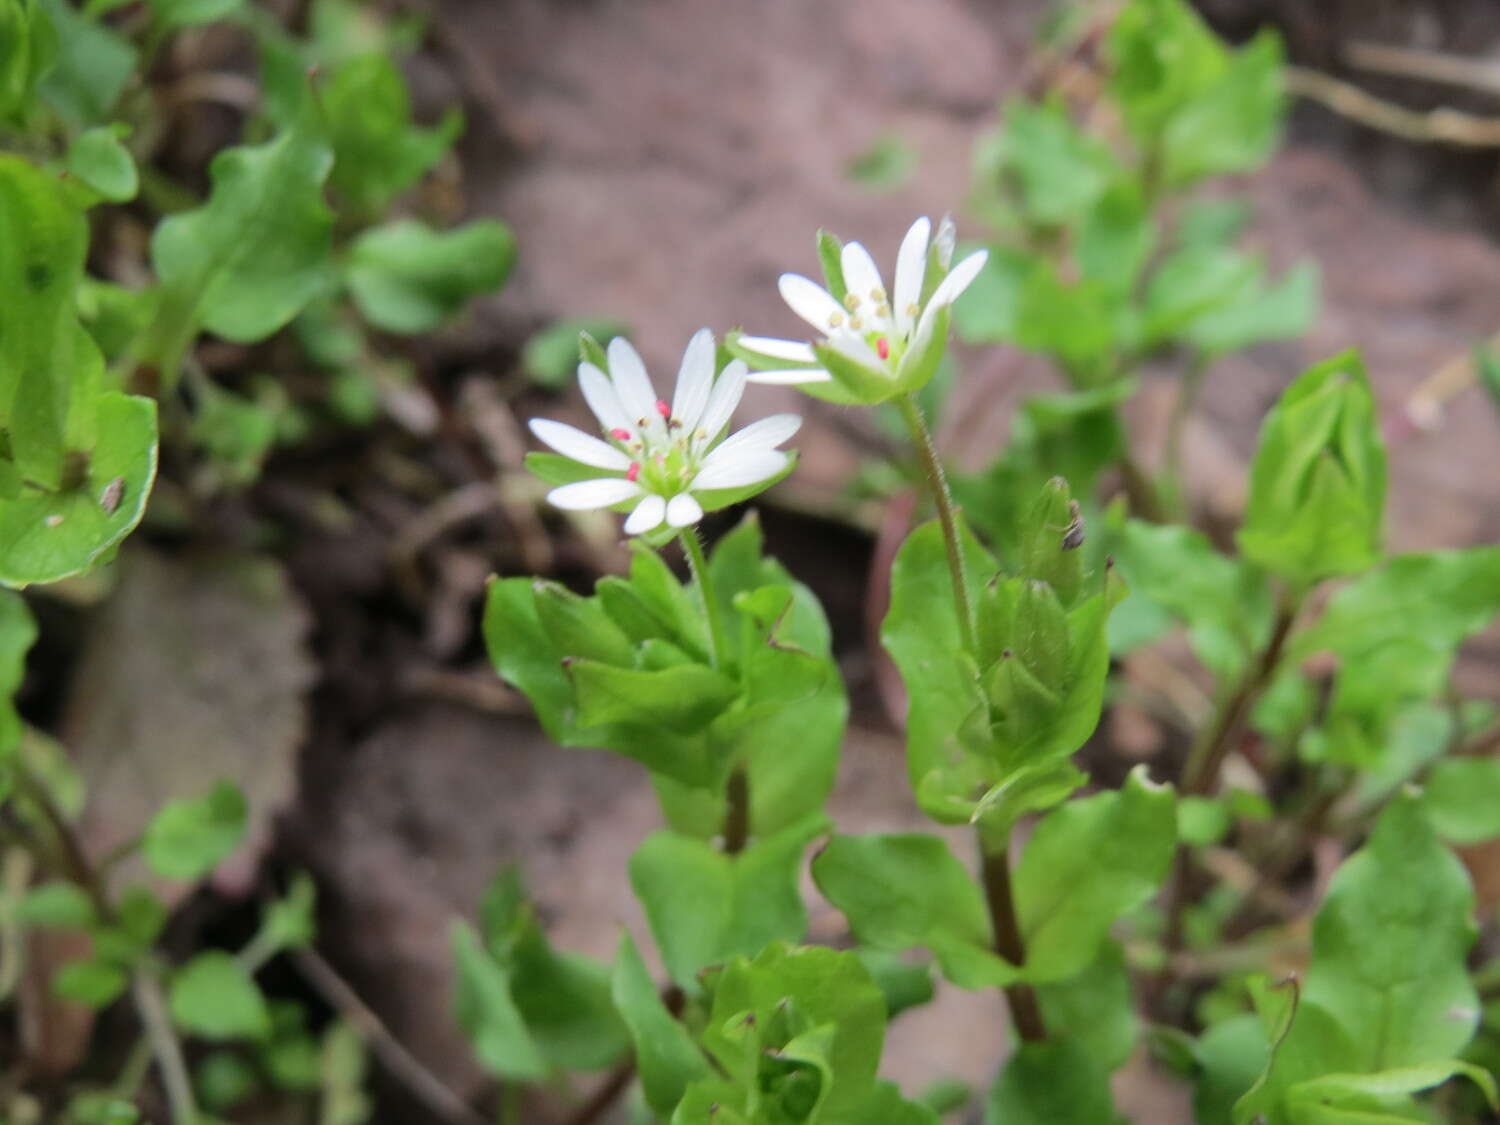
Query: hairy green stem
{"points": [[937, 485], [718, 647]]}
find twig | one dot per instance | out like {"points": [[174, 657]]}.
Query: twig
{"points": [[1438, 126], [616, 1084], [1429, 66], [165, 1046], [405, 1067], [1424, 406]]}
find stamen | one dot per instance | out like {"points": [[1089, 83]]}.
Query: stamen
{"points": [[836, 320], [877, 294], [883, 348], [620, 433], [855, 323], [851, 301], [663, 409], [913, 310], [633, 473]]}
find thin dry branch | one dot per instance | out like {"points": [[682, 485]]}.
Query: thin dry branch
{"points": [[1438, 126]]}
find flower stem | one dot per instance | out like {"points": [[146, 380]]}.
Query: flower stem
{"points": [[717, 646], [937, 485], [165, 1045], [998, 892]]}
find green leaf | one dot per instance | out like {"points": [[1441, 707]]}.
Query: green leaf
{"points": [[1230, 1056], [1116, 237], [1233, 125], [904, 984], [1076, 323], [57, 906], [1259, 312], [188, 839], [408, 278], [705, 907], [921, 633], [987, 311], [28, 49], [1317, 485], [886, 164], [214, 996], [1051, 1083], [47, 536], [380, 152], [485, 1010], [684, 699], [246, 262], [93, 66], [175, 14], [17, 635], [1461, 797], [665, 1055], [1388, 987], [104, 164], [762, 1006], [93, 984], [1088, 863], [908, 891], [1061, 171], [551, 355], [1094, 1009]]}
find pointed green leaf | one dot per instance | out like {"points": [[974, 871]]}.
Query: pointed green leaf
{"points": [[406, 277], [213, 996], [187, 839], [665, 1055]]}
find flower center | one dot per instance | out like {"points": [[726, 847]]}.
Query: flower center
{"points": [[663, 459]]}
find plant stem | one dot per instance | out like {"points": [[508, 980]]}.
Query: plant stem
{"points": [[164, 1044], [1211, 748], [717, 646], [937, 485], [1020, 998], [737, 811]]}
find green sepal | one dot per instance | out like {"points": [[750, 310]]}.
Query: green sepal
{"points": [[831, 258], [864, 385]]}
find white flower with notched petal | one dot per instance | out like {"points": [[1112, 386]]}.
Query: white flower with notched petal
{"points": [[875, 344], [666, 458]]}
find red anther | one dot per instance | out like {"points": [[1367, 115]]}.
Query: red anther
{"points": [[663, 409], [883, 346], [633, 473], [619, 433]]}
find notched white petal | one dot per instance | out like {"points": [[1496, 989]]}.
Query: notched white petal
{"points": [[694, 379], [862, 277], [632, 383], [683, 510], [959, 278], [647, 514], [811, 302], [794, 351], [911, 268], [791, 377], [574, 443], [585, 494], [729, 388], [600, 394], [763, 436], [739, 471]]}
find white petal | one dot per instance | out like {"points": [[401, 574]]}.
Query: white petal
{"points": [[648, 514], [584, 494], [683, 510], [811, 302], [911, 267], [728, 389], [632, 383], [856, 349], [947, 237], [599, 393], [949, 291], [959, 278], [765, 435], [862, 276], [793, 350], [694, 379], [739, 471], [790, 377], [574, 443]]}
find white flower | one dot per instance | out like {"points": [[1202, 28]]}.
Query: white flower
{"points": [[660, 455], [887, 333]]}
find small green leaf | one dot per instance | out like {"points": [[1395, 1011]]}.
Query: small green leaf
{"points": [[1461, 797], [1317, 485], [705, 907], [246, 262], [1061, 170], [57, 906], [684, 699], [187, 839], [1051, 1083], [408, 278], [380, 152], [885, 165], [175, 14], [551, 355], [28, 50], [214, 996], [1094, 1009], [1088, 863], [485, 1010], [665, 1054], [93, 66], [94, 984]]}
